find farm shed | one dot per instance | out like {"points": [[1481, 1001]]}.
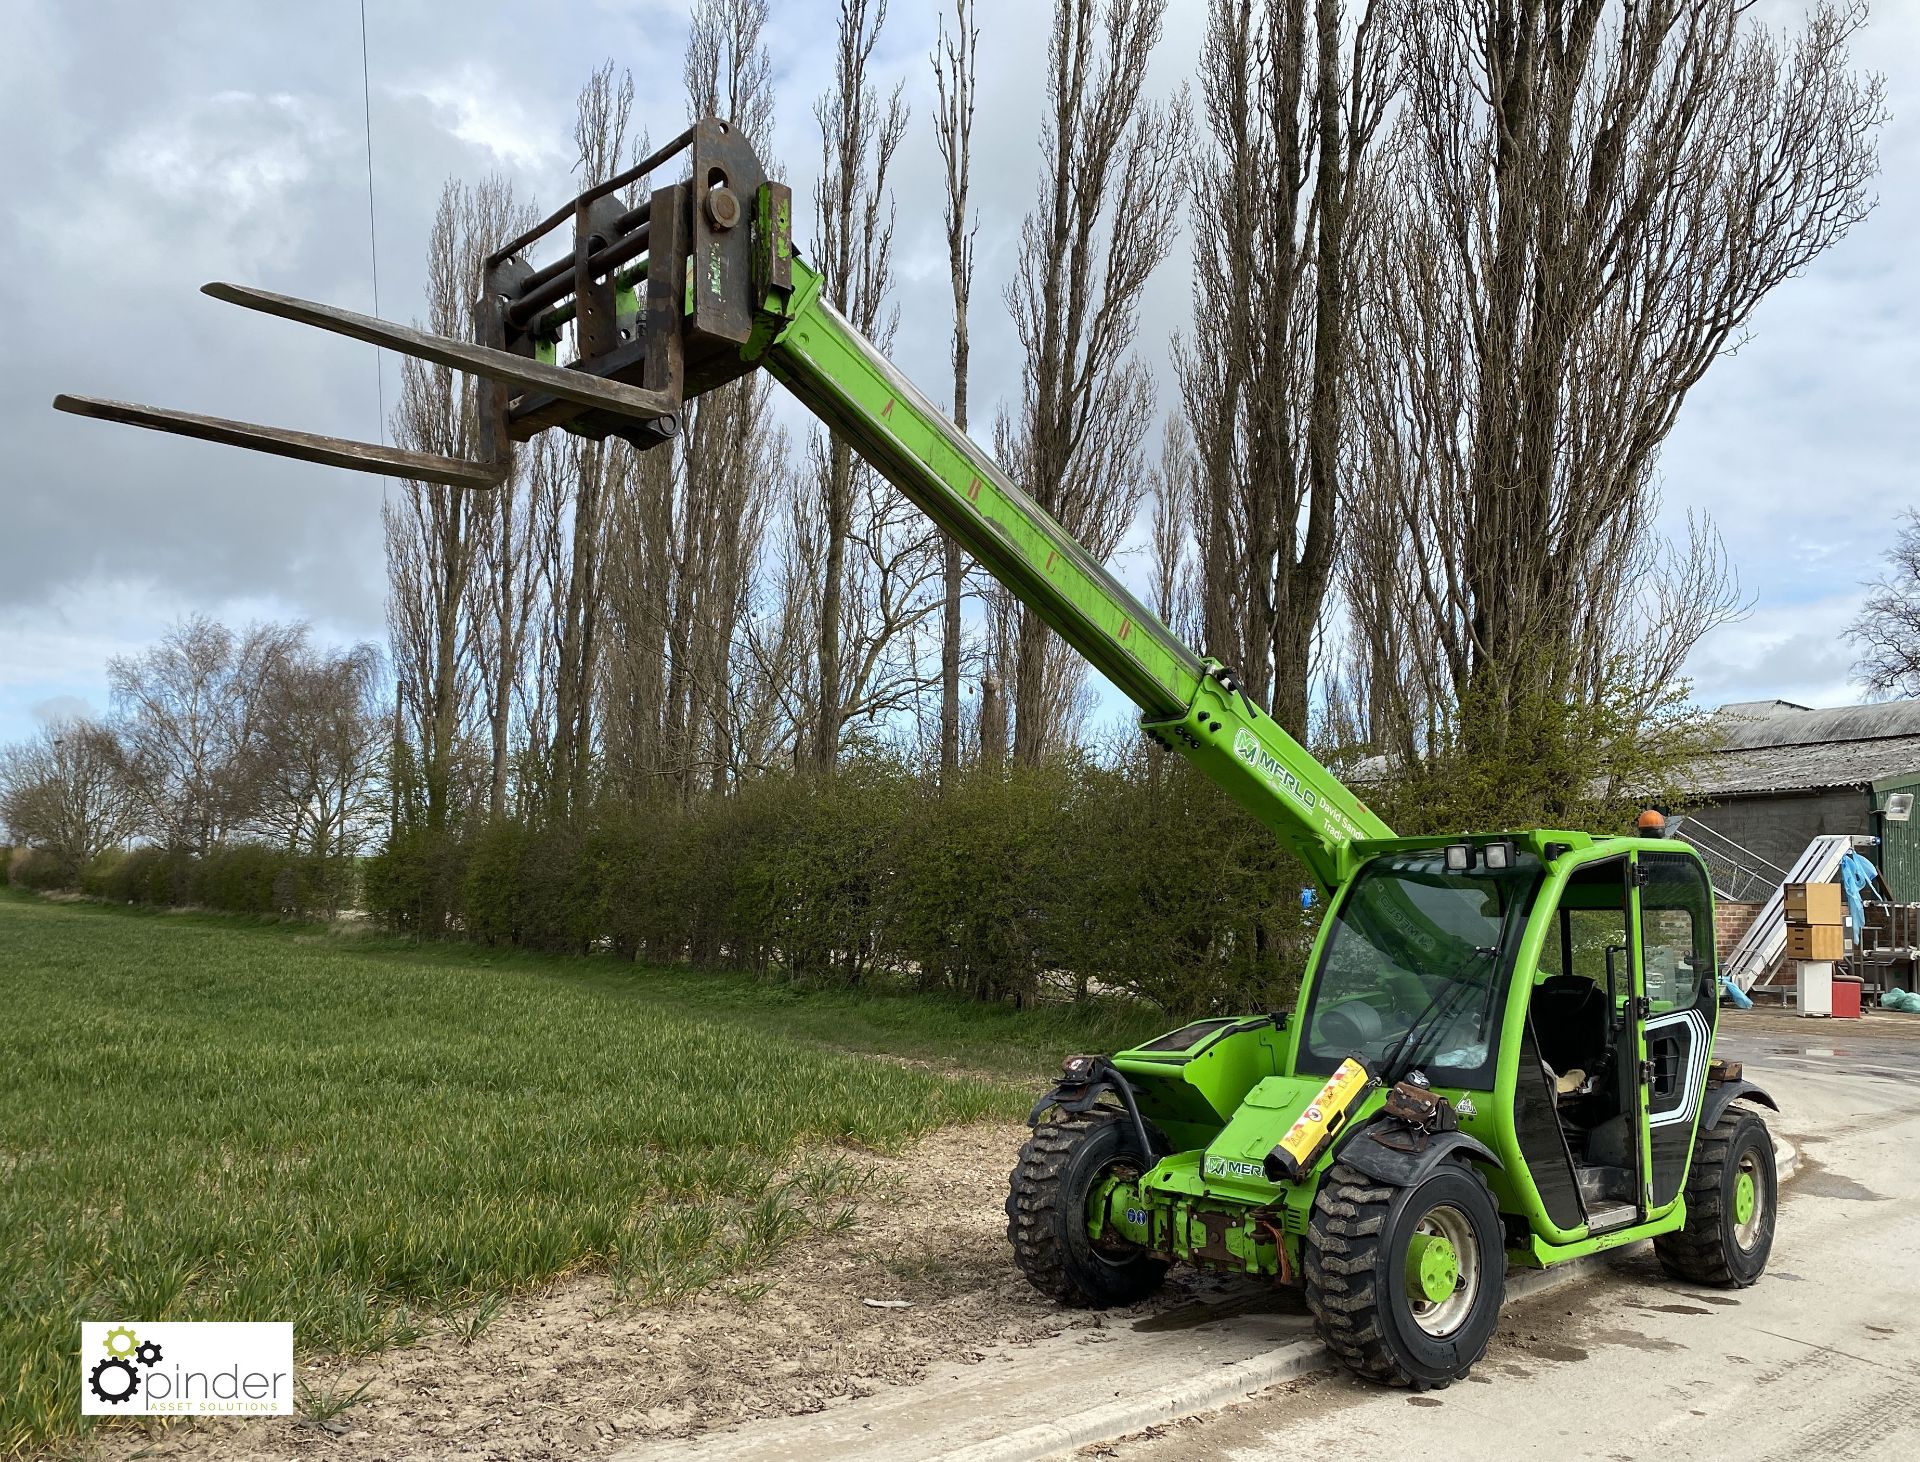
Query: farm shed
{"points": [[1786, 774]]}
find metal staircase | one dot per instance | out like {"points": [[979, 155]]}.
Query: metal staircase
{"points": [[1757, 958], [1739, 874]]}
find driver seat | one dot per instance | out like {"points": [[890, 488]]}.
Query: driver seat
{"points": [[1570, 1024]]}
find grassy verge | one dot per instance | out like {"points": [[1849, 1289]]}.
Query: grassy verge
{"points": [[201, 1119]]}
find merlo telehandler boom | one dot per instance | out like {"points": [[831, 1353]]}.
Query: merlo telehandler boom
{"points": [[1501, 1049]]}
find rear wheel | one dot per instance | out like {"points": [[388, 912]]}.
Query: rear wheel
{"points": [[1405, 1284], [1732, 1191], [1058, 1170]]}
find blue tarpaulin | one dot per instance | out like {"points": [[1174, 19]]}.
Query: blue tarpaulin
{"points": [[1857, 875]]}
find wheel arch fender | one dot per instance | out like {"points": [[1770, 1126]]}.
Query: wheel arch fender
{"points": [[1402, 1169], [1083, 1084], [1723, 1094]]}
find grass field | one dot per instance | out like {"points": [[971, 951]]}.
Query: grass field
{"points": [[202, 1119]]}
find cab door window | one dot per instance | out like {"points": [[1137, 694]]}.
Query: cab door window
{"points": [[1676, 930], [1677, 954]]}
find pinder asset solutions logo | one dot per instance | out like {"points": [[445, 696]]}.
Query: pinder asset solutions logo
{"points": [[186, 1368]]}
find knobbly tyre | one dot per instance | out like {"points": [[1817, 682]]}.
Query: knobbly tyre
{"points": [[1502, 1049]]}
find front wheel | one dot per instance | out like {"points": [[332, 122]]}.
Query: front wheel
{"points": [[1405, 1284], [1059, 1168], [1732, 1191]]}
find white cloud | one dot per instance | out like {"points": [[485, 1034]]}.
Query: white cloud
{"points": [[234, 151], [476, 107], [1795, 652]]}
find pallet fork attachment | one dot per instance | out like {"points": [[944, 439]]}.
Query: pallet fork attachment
{"points": [[644, 342], [282, 442]]}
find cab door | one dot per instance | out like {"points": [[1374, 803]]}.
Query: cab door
{"points": [[1675, 999]]}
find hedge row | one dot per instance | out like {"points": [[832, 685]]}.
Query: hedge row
{"points": [[1140, 878], [244, 879]]}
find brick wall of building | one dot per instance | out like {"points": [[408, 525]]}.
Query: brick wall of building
{"points": [[1730, 921]]}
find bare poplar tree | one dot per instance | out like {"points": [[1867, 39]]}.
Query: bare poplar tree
{"points": [[1109, 180], [1293, 92], [67, 792], [1586, 204], [953, 59], [575, 482], [684, 524], [435, 534], [1173, 487], [853, 215], [639, 591], [991, 728], [730, 462], [504, 586], [723, 531], [777, 653]]}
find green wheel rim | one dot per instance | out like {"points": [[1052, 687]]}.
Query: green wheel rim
{"points": [[1433, 1267], [1752, 1196]]}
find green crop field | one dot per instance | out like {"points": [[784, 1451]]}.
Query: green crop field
{"points": [[202, 1119]]}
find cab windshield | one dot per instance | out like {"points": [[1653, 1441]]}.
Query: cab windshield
{"points": [[1415, 966]]}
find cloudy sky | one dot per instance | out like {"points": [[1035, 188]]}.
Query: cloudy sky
{"points": [[154, 146]]}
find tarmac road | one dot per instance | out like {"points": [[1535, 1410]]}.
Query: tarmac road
{"points": [[1819, 1359]]}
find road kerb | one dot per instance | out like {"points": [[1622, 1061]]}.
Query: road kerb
{"points": [[1242, 1379]]}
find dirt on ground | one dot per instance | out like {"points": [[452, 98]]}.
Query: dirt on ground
{"points": [[574, 1370]]}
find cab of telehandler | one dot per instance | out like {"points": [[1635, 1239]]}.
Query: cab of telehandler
{"points": [[1500, 1054]]}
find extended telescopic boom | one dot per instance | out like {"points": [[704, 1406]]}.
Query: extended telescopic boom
{"points": [[724, 294]]}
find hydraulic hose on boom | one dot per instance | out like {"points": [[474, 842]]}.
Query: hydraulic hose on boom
{"points": [[694, 287]]}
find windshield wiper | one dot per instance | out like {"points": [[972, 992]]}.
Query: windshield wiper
{"points": [[1403, 1058]]}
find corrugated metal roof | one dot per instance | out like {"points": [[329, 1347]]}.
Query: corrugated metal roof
{"points": [[1794, 767], [1775, 723], [1780, 746]]}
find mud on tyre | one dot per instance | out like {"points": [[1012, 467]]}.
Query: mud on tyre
{"points": [[1059, 1167]]}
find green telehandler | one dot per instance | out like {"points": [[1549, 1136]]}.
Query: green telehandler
{"points": [[1502, 1048]]}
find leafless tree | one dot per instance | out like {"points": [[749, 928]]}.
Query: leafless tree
{"points": [[574, 483], [66, 791], [639, 590], [1585, 204], [777, 653], [1293, 94], [440, 539], [1108, 183], [728, 68], [738, 461], [1887, 629], [853, 217], [505, 586], [954, 57], [991, 725], [1173, 488], [732, 459], [321, 751], [193, 714]]}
